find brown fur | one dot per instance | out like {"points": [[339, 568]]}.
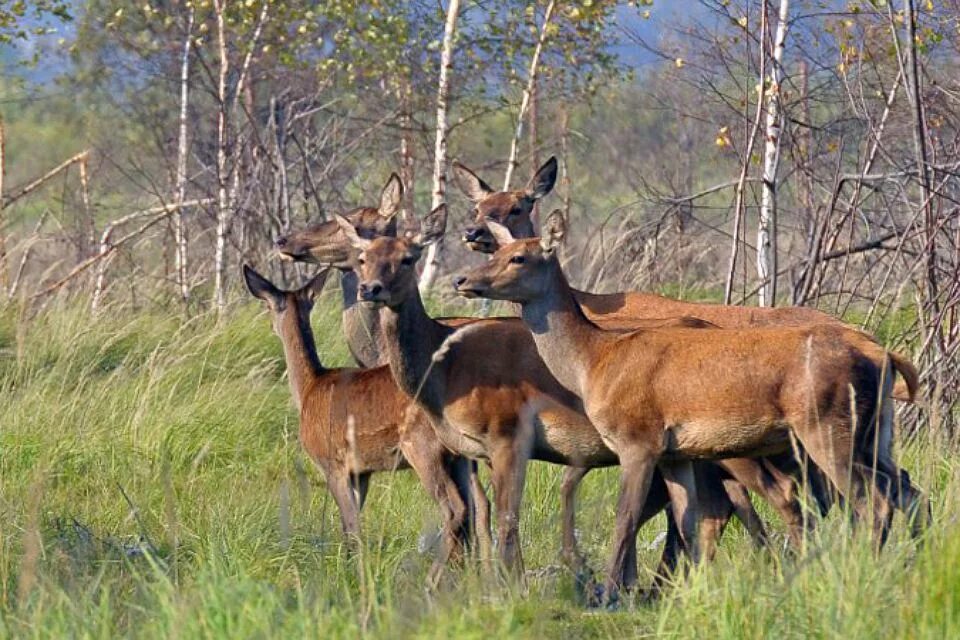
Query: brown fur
{"points": [[485, 389], [512, 210], [361, 325], [355, 422], [684, 394]]}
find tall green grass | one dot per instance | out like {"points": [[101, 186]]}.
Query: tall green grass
{"points": [[151, 485]]}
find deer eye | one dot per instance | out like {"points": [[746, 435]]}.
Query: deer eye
{"points": [[514, 212], [361, 261], [407, 261], [517, 260]]}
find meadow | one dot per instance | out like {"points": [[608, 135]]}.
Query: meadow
{"points": [[152, 485]]}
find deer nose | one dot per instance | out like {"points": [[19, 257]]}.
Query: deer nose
{"points": [[472, 234], [369, 290], [280, 241], [458, 281]]}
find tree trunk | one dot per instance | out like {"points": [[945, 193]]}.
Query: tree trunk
{"points": [[223, 202], [534, 143], [767, 224], [179, 228], [920, 150], [440, 148], [407, 160], [739, 207], [525, 100]]}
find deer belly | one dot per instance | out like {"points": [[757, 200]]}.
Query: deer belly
{"points": [[566, 437], [717, 438]]}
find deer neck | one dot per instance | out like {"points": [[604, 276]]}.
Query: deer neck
{"points": [[565, 338], [300, 351], [411, 337], [361, 324]]}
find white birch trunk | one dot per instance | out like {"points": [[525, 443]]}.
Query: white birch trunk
{"points": [[525, 100], [179, 229], [767, 224], [223, 203], [432, 263]]}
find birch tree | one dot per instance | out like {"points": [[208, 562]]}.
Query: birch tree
{"points": [[179, 230], [432, 263], [527, 93], [223, 203], [767, 224]]}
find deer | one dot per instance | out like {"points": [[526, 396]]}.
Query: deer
{"points": [[356, 422], [477, 382], [324, 243], [664, 398], [512, 209]]}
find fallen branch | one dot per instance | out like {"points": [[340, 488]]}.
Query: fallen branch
{"points": [[160, 213], [32, 186]]}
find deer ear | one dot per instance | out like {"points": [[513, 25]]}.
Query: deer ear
{"points": [[432, 227], [391, 197], [543, 180], [554, 229], [470, 183], [260, 287], [313, 288], [499, 232], [348, 230]]}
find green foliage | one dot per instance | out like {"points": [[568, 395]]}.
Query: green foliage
{"points": [[22, 19]]}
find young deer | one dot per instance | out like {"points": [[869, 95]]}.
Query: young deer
{"points": [[479, 383], [662, 398], [354, 422], [511, 209]]}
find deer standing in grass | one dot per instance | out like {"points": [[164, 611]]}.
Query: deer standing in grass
{"points": [[324, 244], [774, 476], [355, 422], [512, 209], [487, 392], [662, 398]]}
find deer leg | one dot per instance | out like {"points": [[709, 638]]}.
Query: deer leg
{"points": [[743, 508], [338, 482], [481, 520], [681, 481], [914, 503], [568, 491], [672, 548], [831, 448], [508, 460], [658, 501], [637, 467], [441, 475]]}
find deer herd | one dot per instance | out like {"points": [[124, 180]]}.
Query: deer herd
{"points": [[699, 404]]}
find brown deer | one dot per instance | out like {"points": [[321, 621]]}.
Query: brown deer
{"points": [[478, 382], [661, 398], [512, 209], [324, 243], [355, 422]]}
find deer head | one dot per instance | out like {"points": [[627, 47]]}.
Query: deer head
{"points": [[325, 244], [288, 309], [386, 265], [520, 269], [508, 208]]}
